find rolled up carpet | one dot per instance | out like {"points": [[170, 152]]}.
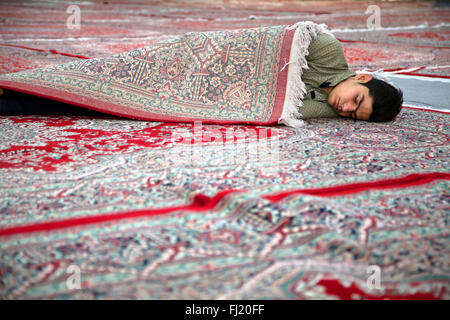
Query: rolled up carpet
{"points": [[248, 76]]}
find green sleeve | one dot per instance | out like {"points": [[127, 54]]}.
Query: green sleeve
{"points": [[326, 61], [316, 109]]}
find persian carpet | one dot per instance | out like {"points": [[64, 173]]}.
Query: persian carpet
{"points": [[250, 76], [108, 207], [162, 210]]}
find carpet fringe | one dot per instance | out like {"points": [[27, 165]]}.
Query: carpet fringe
{"points": [[305, 32]]}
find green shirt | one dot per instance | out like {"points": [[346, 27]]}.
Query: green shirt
{"points": [[327, 68]]}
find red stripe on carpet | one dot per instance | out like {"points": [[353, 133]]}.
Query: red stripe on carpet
{"points": [[43, 50], [400, 69], [282, 75], [199, 203], [202, 202], [414, 179], [423, 75]]}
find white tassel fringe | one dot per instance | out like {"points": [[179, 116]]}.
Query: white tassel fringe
{"points": [[305, 32]]}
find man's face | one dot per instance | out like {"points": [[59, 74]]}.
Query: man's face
{"points": [[350, 99]]}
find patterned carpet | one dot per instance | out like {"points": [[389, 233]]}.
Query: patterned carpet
{"points": [[221, 77], [158, 210]]}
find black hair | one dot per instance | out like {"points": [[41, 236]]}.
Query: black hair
{"points": [[387, 100]]}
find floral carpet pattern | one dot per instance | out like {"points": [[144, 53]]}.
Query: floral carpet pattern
{"points": [[189, 211], [106, 207], [221, 77]]}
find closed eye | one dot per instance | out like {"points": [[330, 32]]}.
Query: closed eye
{"points": [[359, 104]]}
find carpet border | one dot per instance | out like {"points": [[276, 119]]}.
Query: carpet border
{"points": [[202, 202]]}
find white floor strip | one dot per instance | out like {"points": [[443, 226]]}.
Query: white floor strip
{"points": [[407, 76], [420, 26], [426, 108]]}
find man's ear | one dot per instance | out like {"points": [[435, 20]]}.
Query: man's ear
{"points": [[363, 77]]}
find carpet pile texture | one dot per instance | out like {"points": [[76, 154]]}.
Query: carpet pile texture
{"points": [[106, 207]]}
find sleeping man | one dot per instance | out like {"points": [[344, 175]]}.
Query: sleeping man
{"points": [[333, 90]]}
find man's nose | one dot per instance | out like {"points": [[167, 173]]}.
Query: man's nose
{"points": [[348, 106]]}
